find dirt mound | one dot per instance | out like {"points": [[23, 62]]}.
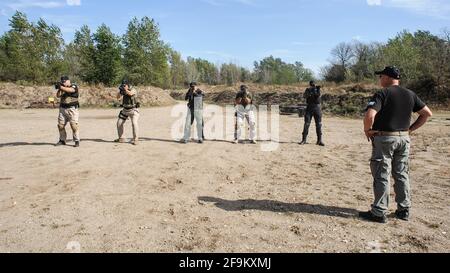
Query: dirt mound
{"points": [[342, 100], [17, 96]]}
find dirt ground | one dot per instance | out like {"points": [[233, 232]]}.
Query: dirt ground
{"points": [[162, 196]]}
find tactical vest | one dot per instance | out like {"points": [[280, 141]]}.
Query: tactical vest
{"points": [[129, 102], [313, 96], [70, 99]]}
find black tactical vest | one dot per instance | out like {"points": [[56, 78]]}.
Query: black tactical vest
{"points": [[70, 99], [129, 102]]}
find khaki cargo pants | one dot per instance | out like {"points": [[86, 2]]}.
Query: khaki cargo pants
{"points": [[390, 153], [133, 114], [68, 115]]}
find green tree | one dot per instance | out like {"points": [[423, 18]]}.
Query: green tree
{"points": [[31, 52], [80, 55], [48, 51], [402, 52], [177, 69], [145, 55], [107, 56], [202, 70], [303, 74], [230, 74], [272, 70]]}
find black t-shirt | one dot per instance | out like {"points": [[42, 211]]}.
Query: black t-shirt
{"points": [[394, 106], [190, 95], [244, 95]]}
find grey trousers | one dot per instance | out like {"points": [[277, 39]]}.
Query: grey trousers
{"points": [[390, 154]]}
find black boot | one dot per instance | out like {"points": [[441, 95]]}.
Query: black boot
{"points": [[319, 141], [303, 142], [60, 143], [319, 134]]}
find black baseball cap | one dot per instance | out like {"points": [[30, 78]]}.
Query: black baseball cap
{"points": [[244, 87], [64, 78], [390, 71], [312, 83], [192, 84], [125, 82]]}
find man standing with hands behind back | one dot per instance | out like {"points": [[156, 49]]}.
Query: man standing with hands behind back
{"points": [[387, 125]]}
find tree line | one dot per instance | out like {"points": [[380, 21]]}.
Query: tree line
{"points": [[36, 53], [423, 58]]}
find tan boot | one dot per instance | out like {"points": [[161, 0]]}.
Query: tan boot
{"points": [[120, 140], [135, 142]]}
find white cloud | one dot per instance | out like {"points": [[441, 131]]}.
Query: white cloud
{"points": [[26, 4], [374, 2], [436, 8], [74, 2], [23, 4]]}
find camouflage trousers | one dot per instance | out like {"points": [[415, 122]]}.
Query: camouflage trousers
{"points": [[390, 154]]}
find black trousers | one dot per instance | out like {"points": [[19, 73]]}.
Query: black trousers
{"points": [[313, 111]]}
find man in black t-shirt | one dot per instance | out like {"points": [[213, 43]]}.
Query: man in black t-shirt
{"points": [[387, 125]]}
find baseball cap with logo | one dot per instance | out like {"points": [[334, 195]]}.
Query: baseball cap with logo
{"points": [[390, 71]]}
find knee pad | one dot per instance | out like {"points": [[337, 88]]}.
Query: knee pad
{"points": [[61, 127]]}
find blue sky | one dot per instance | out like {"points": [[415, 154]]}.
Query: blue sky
{"points": [[243, 31]]}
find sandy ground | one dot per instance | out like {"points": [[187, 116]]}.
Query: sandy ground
{"points": [[166, 197]]}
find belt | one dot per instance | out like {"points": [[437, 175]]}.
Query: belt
{"points": [[398, 133], [69, 106]]}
